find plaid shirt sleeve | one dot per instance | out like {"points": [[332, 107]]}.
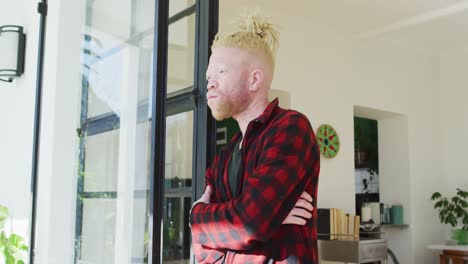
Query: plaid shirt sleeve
{"points": [[268, 195], [203, 253]]}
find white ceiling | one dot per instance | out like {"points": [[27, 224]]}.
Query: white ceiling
{"points": [[432, 25]]}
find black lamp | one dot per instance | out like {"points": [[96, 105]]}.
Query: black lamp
{"points": [[12, 47]]}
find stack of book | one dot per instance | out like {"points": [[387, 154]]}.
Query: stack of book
{"points": [[335, 224]]}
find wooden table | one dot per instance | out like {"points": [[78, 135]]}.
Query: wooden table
{"points": [[458, 254]]}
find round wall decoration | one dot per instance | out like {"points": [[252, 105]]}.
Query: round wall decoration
{"points": [[328, 140]]}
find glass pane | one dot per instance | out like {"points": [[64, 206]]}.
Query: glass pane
{"points": [[179, 5], [141, 193], [181, 57], [98, 231], [112, 35], [178, 186], [102, 156], [113, 181]]}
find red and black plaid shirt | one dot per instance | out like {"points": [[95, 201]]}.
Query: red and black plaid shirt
{"points": [[280, 161]]}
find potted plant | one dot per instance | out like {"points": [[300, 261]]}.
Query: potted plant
{"points": [[12, 247], [453, 211]]}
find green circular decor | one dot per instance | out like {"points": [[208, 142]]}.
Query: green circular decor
{"points": [[328, 140]]}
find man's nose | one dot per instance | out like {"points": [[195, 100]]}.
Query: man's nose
{"points": [[210, 85]]}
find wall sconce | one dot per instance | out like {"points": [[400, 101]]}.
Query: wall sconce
{"points": [[12, 48]]}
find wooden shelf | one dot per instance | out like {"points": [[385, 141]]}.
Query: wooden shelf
{"points": [[392, 225]]}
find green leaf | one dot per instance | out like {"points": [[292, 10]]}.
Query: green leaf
{"points": [[450, 207], [12, 244], [2, 235], [9, 259], [454, 222], [462, 193], [438, 204], [441, 217], [3, 216], [449, 220], [436, 195], [16, 240], [3, 240], [463, 203]]}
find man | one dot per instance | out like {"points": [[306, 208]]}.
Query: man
{"points": [[259, 203]]}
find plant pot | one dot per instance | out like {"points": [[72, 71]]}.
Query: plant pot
{"points": [[461, 236]]}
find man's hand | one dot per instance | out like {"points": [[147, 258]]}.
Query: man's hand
{"points": [[301, 211], [205, 198]]}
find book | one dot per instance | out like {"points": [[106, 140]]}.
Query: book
{"points": [[335, 224], [350, 226], [357, 222], [347, 230], [339, 224], [323, 223], [333, 227]]}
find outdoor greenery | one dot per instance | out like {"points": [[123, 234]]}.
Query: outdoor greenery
{"points": [[12, 246]]}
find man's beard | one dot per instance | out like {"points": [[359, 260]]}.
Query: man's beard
{"points": [[222, 111]]}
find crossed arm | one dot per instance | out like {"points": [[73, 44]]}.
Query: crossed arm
{"points": [[297, 216]]}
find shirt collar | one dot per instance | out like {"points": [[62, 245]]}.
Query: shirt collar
{"points": [[268, 112], [262, 119]]}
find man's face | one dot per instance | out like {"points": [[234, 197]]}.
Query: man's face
{"points": [[228, 76]]}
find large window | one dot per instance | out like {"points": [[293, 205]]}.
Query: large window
{"points": [[113, 206], [113, 177]]}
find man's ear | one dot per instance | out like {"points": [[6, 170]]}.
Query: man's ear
{"points": [[256, 80]]}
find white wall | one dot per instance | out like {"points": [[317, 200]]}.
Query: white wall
{"points": [[58, 160], [453, 94], [327, 75], [16, 115], [395, 180], [454, 119], [373, 75]]}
